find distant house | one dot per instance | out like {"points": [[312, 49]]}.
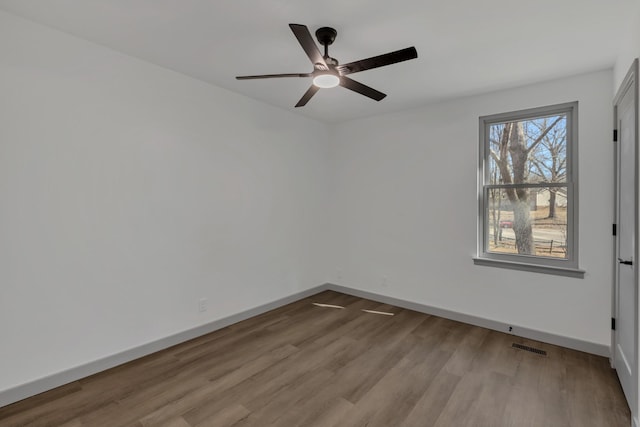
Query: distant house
{"points": [[543, 196]]}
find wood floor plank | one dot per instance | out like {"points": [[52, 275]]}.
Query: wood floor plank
{"points": [[380, 408], [320, 411], [217, 386], [269, 409], [269, 381], [363, 373], [309, 366], [175, 422], [228, 416], [25, 407], [426, 411]]}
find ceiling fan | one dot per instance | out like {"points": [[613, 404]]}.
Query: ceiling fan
{"points": [[327, 72]]}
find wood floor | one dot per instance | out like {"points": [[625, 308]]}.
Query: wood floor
{"points": [[304, 365]]}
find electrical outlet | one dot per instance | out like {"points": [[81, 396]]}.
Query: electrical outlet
{"points": [[202, 305]]}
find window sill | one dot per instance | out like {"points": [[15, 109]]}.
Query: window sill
{"points": [[558, 271]]}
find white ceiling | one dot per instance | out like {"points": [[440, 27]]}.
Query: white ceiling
{"points": [[464, 46]]}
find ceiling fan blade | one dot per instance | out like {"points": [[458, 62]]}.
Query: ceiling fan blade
{"points": [[361, 89], [378, 61], [307, 95], [311, 49], [272, 76]]}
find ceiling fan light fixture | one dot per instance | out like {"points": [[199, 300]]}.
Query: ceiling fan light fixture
{"points": [[326, 81]]}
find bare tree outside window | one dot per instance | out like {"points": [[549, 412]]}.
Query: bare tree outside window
{"points": [[528, 152]]}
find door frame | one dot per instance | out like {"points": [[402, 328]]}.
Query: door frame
{"points": [[630, 82]]}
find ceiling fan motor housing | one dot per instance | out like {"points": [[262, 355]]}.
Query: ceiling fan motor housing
{"points": [[326, 35]]}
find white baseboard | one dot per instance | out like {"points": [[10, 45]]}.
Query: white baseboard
{"points": [[573, 343], [38, 386]]}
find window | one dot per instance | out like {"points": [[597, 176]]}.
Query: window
{"points": [[527, 190]]}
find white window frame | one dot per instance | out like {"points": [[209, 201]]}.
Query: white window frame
{"points": [[563, 267]]}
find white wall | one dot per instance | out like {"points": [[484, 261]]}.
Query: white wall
{"points": [[405, 208], [629, 46], [128, 192]]}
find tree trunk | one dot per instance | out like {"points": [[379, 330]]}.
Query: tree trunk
{"points": [[520, 197], [514, 143], [522, 228], [499, 216], [552, 203], [496, 223]]}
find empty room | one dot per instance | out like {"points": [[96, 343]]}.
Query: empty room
{"points": [[319, 214]]}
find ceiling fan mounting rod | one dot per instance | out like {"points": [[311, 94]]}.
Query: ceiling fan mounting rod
{"points": [[326, 36]]}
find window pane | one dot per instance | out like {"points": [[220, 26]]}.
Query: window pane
{"points": [[528, 151], [527, 221]]}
